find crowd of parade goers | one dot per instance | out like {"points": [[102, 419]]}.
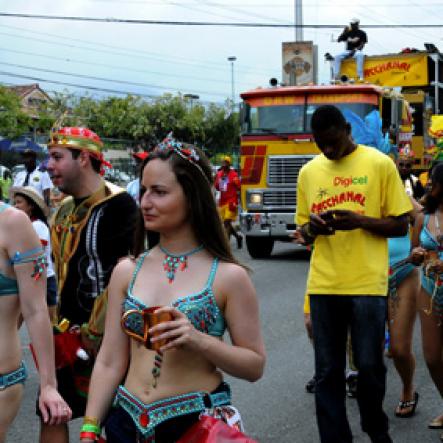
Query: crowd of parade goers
{"points": [[139, 286]]}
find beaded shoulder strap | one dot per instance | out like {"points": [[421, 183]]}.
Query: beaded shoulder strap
{"points": [[138, 266], [212, 273], [426, 220]]}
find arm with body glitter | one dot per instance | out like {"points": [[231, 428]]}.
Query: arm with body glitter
{"points": [[28, 261]]}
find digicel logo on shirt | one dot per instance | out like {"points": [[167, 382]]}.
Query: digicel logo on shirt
{"points": [[348, 181]]}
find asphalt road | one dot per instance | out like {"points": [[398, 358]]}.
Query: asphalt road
{"points": [[277, 409]]}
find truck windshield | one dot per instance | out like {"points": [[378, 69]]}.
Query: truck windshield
{"points": [[361, 109], [293, 119], [281, 119]]}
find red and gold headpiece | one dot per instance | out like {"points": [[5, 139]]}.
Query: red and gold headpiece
{"points": [[406, 153], [78, 138]]}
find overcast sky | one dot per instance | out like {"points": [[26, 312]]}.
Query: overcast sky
{"points": [[186, 58]]}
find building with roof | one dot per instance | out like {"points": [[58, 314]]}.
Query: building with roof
{"points": [[31, 96]]}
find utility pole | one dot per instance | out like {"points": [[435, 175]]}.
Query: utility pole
{"points": [[232, 59], [298, 16]]}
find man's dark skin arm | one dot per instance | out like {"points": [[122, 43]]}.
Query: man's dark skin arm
{"points": [[344, 35], [343, 220]]}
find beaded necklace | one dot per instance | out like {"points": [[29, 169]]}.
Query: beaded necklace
{"points": [[172, 262]]}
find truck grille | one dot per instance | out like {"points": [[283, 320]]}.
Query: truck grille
{"points": [[279, 199], [283, 169]]}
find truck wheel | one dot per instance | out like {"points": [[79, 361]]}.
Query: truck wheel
{"points": [[259, 247]]}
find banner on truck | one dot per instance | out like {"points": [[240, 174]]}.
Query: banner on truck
{"points": [[393, 70]]}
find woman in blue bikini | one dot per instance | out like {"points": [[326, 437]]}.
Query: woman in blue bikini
{"points": [[403, 289], [22, 289], [194, 279], [427, 241]]}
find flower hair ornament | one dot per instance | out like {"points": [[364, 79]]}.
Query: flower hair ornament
{"points": [[187, 152]]}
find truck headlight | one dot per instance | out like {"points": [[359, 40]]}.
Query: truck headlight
{"points": [[255, 199]]}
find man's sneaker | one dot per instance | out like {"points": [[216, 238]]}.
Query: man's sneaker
{"points": [[310, 386], [351, 381]]}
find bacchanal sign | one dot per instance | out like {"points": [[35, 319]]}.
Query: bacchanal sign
{"points": [[392, 70]]}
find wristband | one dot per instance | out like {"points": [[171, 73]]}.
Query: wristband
{"points": [[87, 427], [90, 420], [88, 436]]}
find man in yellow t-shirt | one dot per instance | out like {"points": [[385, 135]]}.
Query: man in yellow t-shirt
{"points": [[350, 199]]}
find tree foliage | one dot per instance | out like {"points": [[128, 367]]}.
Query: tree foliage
{"points": [[136, 121], [13, 120]]}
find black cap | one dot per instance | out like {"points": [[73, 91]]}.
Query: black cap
{"points": [[28, 152]]}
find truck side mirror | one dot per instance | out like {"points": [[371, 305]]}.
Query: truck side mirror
{"points": [[245, 109]]}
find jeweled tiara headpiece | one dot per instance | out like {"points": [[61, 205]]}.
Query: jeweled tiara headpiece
{"points": [[187, 152], [170, 144]]}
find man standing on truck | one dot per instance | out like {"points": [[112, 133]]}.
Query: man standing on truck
{"points": [[228, 183], [350, 199], [355, 40]]}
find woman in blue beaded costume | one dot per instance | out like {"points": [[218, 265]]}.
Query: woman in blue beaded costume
{"points": [[23, 290], [427, 241], [163, 351]]}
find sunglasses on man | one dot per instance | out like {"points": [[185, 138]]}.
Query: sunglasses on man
{"points": [[405, 165]]}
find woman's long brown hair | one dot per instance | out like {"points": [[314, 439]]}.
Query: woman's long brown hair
{"points": [[202, 210]]}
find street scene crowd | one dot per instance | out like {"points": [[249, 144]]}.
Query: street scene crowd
{"points": [[168, 330], [136, 304]]}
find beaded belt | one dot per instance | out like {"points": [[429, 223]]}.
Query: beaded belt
{"points": [[14, 377], [147, 416]]}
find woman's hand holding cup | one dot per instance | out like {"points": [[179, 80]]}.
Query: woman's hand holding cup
{"points": [[178, 333]]}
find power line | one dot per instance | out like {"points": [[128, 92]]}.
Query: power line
{"points": [[204, 23], [122, 68], [90, 77], [76, 85], [414, 34], [193, 8], [422, 8], [237, 10], [81, 95], [142, 54], [269, 4]]}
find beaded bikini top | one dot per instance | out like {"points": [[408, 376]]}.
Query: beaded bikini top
{"points": [[200, 308], [8, 285]]}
